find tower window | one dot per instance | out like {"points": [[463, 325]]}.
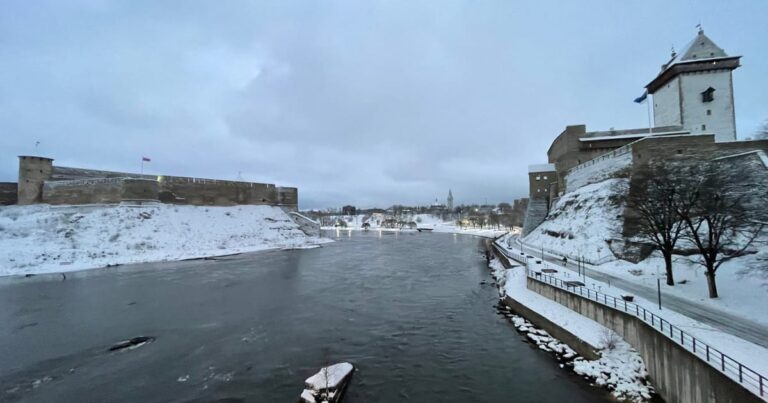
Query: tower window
{"points": [[703, 127], [708, 95], [709, 112]]}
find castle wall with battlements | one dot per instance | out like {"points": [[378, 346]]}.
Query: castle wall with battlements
{"points": [[41, 182]]}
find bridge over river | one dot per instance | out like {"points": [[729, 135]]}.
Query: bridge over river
{"points": [[408, 309]]}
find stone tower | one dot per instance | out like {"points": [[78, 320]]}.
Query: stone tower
{"points": [[449, 201], [695, 90], [33, 171]]}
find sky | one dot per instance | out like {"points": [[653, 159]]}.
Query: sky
{"points": [[369, 103]]}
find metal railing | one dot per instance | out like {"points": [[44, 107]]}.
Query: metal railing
{"points": [[733, 369]]}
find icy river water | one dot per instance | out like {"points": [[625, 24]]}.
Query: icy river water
{"points": [[408, 309]]}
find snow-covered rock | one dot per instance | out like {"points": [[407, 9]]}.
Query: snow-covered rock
{"points": [[328, 384]]}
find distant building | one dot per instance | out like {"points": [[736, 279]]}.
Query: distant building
{"points": [[449, 202]]}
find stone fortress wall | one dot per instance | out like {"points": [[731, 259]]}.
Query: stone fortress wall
{"points": [[42, 182], [8, 193]]}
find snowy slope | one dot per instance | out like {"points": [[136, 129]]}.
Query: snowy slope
{"points": [[583, 220], [597, 170], [42, 238]]}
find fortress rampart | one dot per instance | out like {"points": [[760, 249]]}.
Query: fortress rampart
{"points": [[42, 182]]}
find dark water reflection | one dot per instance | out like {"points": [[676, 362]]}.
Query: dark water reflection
{"points": [[407, 309]]}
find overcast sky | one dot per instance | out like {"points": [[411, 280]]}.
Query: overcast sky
{"points": [[362, 102]]}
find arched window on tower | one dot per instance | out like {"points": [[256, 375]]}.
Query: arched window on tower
{"points": [[708, 95]]}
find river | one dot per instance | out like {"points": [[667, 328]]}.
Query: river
{"points": [[408, 309]]}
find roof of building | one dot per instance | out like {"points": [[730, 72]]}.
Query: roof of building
{"points": [[700, 54], [541, 168], [700, 47], [633, 136]]}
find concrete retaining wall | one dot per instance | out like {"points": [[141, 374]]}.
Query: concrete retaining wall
{"points": [[8, 192], [677, 374], [580, 346]]}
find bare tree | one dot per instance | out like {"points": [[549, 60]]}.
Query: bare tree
{"points": [[657, 207], [720, 223]]}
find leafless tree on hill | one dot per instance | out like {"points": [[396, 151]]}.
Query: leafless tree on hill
{"points": [[658, 208], [720, 221]]}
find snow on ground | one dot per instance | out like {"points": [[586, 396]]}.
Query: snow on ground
{"points": [[597, 170], [428, 221], [742, 283], [43, 238], [619, 368], [583, 220]]}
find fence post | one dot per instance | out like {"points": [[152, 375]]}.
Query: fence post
{"points": [[740, 377]]}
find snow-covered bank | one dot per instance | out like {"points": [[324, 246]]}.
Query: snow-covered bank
{"points": [[583, 220], [44, 239], [423, 221], [619, 368]]}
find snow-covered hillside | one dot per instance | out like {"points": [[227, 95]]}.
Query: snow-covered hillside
{"points": [[42, 238], [597, 170], [582, 221]]}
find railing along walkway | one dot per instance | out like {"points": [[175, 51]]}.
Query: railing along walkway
{"points": [[735, 370]]}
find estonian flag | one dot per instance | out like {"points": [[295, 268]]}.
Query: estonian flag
{"points": [[641, 98], [145, 159]]}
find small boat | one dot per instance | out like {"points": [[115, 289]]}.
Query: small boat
{"points": [[424, 229], [328, 384]]}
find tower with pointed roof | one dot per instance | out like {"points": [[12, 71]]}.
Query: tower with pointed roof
{"points": [[449, 202], [694, 90]]}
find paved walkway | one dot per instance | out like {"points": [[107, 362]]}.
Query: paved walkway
{"points": [[725, 321]]}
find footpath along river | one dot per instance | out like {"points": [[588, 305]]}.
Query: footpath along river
{"points": [[408, 309]]}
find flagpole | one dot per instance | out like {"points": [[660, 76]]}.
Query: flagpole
{"points": [[142, 165]]}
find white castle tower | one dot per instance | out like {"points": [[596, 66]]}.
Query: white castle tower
{"points": [[695, 90], [449, 203]]}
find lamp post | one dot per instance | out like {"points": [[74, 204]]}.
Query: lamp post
{"points": [[658, 285]]}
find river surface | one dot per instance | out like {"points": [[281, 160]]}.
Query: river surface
{"points": [[408, 309]]}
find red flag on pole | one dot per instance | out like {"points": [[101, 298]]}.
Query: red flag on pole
{"points": [[145, 159]]}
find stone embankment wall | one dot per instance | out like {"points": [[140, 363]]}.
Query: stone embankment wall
{"points": [[535, 214], [8, 193], [677, 374], [306, 224]]}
